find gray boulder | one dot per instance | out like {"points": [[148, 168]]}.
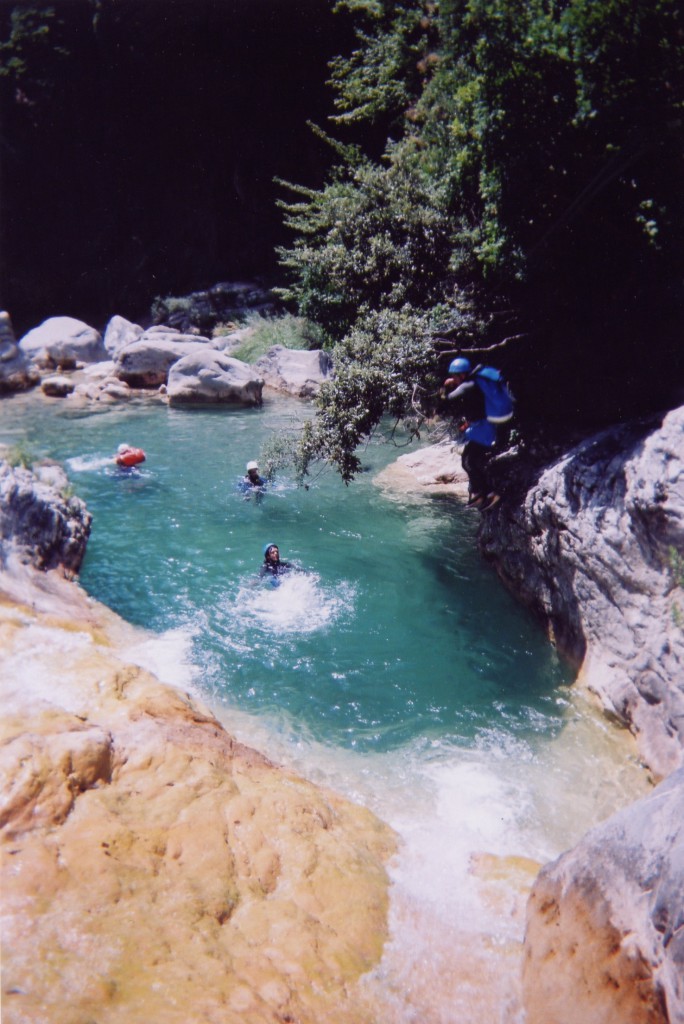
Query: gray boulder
{"points": [[596, 548], [62, 342], [16, 372], [206, 375], [39, 522], [298, 372], [146, 363], [120, 332], [605, 922]]}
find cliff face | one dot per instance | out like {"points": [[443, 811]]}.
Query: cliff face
{"points": [[595, 547], [153, 868], [605, 922]]}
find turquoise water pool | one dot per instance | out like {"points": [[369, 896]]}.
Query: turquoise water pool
{"points": [[394, 669], [394, 630]]}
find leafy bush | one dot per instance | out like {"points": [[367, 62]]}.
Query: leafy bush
{"points": [[289, 331], [529, 185]]}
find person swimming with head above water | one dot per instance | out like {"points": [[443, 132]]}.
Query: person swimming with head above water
{"points": [[252, 482], [127, 456], [272, 567]]}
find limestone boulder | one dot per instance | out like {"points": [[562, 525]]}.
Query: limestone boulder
{"points": [[146, 363], [298, 372], [40, 520], [435, 469], [595, 546], [63, 342], [153, 868], [16, 372], [205, 375], [605, 922], [120, 332], [105, 390]]}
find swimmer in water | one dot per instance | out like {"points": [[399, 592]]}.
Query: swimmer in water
{"points": [[252, 483], [127, 456], [272, 567]]}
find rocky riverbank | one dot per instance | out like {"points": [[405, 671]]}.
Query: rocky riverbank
{"points": [[95, 747], [593, 542], [154, 868]]}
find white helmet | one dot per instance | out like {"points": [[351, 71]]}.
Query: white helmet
{"points": [[252, 465]]}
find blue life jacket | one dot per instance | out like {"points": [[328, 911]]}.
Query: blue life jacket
{"points": [[498, 399], [481, 432]]}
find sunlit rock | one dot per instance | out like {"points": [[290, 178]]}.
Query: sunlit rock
{"points": [[120, 332], [596, 548], [605, 922], [205, 375], [63, 342], [146, 363], [435, 469], [16, 372], [153, 868], [57, 386], [297, 372]]}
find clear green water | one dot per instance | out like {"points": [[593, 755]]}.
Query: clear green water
{"points": [[396, 670], [396, 630]]}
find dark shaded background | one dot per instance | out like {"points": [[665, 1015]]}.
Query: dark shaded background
{"points": [[141, 164]]}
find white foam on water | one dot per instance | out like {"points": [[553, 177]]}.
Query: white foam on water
{"points": [[168, 656], [88, 463], [474, 825], [299, 604]]}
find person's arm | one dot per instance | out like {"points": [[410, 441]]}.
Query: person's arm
{"points": [[461, 389]]}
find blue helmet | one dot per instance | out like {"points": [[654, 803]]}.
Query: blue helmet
{"points": [[267, 547], [460, 365]]}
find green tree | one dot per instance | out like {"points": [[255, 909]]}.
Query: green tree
{"points": [[530, 169]]}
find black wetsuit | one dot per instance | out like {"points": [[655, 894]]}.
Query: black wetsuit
{"points": [[475, 456], [275, 568]]}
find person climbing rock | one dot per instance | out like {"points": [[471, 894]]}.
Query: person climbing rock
{"points": [[486, 402]]}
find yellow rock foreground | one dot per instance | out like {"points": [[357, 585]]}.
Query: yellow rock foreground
{"points": [[153, 869]]}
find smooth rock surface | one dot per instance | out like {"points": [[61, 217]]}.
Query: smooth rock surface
{"points": [[120, 332], [206, 375], [146, 363], [605, 922], [62, 342], [596, 549], [153, 868], [297, 372], [57, 386], [435, 469]]}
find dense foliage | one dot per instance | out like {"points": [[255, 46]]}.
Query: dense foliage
{"points": [[528, 186]]}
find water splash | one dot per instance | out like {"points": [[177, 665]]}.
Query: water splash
{"points": [[300, 603]]}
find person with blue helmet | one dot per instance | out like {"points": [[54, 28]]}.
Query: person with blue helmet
{"points": [[272, 567], [486, 402]]}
